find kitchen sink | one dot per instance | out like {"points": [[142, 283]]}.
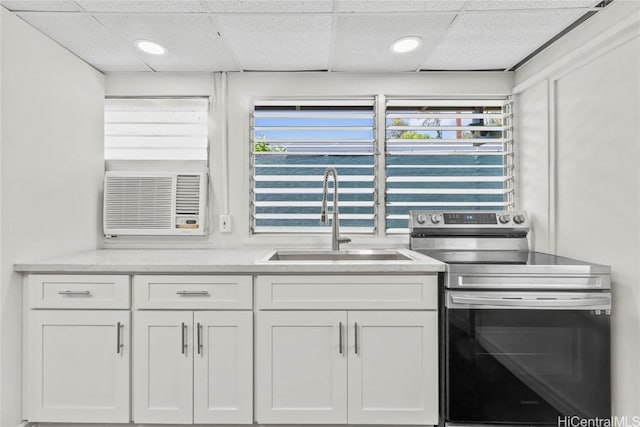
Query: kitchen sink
{"points": [[353, 255]]}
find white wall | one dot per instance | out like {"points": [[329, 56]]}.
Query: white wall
{"points": [[229, 149], [50, 173], [579, 137]]}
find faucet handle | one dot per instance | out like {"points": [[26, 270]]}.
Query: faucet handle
{"points": [[323, 217]]}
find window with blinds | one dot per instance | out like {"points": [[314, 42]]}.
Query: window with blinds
{"points": [[156, 129], [292, 143], [447, 155]]}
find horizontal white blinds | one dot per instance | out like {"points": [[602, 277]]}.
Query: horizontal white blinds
{"points": [[292, 143], [156, 129], [447, 155]]}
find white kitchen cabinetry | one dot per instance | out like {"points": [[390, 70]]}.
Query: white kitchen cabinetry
{"points": [[351, 366], [221, 292], [162, 367], [347, 292], [77, 347], [393, 359], [192, 366], [78, 366], [69, 291], [301, 367], [223, 368]]}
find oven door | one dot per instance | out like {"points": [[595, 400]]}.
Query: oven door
{"points": [[526, 357]]}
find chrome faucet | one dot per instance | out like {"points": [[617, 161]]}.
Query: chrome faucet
{"points": [[335, 223]]}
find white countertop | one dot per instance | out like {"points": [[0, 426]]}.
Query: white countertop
{"points": [[230, 261]]}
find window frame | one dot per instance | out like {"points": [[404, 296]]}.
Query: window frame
{"points": [[380, 154], [333, 103], [507, 166]]}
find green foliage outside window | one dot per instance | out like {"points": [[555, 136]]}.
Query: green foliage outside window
{"points": [[262, 146]]}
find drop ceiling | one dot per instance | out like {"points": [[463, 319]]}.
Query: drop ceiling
{"points": [[287, 35]]}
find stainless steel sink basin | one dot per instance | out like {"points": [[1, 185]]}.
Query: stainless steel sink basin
{"points": [[346, 255]]}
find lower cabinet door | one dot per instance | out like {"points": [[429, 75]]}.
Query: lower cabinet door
{"points": [[223, 367], [78, 366], [163, 367], [393, 367], [301, 367]]}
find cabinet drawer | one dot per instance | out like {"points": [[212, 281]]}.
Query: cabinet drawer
{"points": [[347, 292], [78, 291], [192, 292]]}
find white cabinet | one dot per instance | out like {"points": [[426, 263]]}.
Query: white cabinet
{"points": [[187, 355], [78, 366], [197, 292], [192, 367], [223, 367], [162, 367], [347, 292], [393, 359], [84, 291], [303, 358], [301, 367]]}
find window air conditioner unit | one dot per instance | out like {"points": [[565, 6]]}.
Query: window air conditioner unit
{"points": [[154, 203]]}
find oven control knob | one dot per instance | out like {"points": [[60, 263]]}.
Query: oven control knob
{"points": [[421, 219], [504, 219], [435, 218], [518, 219]]}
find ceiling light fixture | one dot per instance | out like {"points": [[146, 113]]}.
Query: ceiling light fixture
{"points": [[406, 44], [150, 47]]}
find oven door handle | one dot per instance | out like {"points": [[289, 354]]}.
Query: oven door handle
{"points": [[593, 303]]}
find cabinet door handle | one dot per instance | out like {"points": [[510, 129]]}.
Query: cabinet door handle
{"points": [[355, 336], [118, 338], [193, 293], [87, 293], [183, 346], [199, 337], [340, 337]]}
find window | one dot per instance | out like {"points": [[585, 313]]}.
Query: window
{"points": [[292, 144], [438, 155], [156, 129], [447, 155]]}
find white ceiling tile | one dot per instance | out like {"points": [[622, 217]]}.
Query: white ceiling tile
{"points": [[41, 5], [192, 41], [278, 42], [379, 6], [268, 6], [497, 40], [527, 4], [142, 6], [362, 42], [83, 36]]}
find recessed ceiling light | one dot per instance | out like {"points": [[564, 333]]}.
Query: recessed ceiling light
{"points": [[150, 47], [406, 44]]}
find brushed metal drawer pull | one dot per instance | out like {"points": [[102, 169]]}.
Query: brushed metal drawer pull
{"points": [[87, 293], [356, 336], [183, 345], [199, 336], [192, 293], [119, 345], [340, 337]]}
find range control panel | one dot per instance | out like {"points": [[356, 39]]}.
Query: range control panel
{"points": [[498, 221], [469, 218]]}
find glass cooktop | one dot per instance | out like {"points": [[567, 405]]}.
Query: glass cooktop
{"points": [[501, 257]]}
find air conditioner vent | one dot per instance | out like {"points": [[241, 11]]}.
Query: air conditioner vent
{"points": [[138, 203], [188, 195]]}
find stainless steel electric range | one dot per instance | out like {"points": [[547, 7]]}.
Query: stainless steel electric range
{"points": [[525, 335]]}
